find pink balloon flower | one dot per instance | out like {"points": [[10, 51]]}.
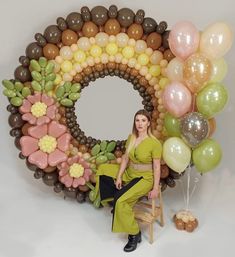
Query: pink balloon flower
{"points": [[38, 109], [46, 144], [74, 172]]}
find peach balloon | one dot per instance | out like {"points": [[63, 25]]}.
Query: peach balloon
{"points": [[84, 43], [212, 126], [140, 46], [216, 40], [122, 39], [197, 70], [184, 39], [176, 99]]}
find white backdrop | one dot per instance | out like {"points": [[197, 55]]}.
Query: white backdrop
{"points": [[36, 222]]}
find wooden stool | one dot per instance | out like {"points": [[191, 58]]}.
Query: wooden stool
{"points": [[149, 212]]}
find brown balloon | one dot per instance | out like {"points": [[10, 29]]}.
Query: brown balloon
{"points": [[125, 17], [86, 14], [149, 25], [62, 25], [139, 17], [40, 39], [113, 11], [22, 74], [52, 34], [25, 129], [69, 37], [168, 55], [74, 21], [15, 120], [50, 51], [50, 178], [161, 28], [25, 61], [99, 15], [70, 192], [165, 37], [89, 29], [135, 31], [154, 40], [112, 27], [33, 51]]}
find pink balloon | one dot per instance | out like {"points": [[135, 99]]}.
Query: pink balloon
{"points": [[177, 99], [184, 39]]}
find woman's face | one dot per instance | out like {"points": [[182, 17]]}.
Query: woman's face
{"points": [[141, 123]]}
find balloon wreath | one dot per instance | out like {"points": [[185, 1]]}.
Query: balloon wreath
{"points": [[178, 73]]}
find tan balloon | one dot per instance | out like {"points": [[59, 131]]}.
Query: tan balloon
{"points": [[84, 43], [122, 39], [196, 72], [216, 40], [175, 70]]}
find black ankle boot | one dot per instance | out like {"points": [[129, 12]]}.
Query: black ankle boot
{"points": [[133, 240]]}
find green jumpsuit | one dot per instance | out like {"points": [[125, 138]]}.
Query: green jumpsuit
{"points": [[137, 183]]}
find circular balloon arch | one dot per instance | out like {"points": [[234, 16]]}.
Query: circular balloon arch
{"points": [[177, 72]]}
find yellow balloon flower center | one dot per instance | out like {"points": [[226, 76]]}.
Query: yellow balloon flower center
{"points": [[47, 144], [39, 109], [76, 170]]}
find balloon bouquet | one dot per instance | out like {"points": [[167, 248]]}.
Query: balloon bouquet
{"points": [[178, 74], [193, 97]]}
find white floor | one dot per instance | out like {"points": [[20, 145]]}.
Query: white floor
{"points": [[36, 222]]}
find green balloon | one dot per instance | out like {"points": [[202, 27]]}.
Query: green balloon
{"points": [[172, 125], [211, 99], [207, 155]]}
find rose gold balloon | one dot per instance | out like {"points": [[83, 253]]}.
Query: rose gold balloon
{"points": [[197, 70], [212, 126], [135, 31], [50, 51], [89, 29], [69, 37], [112, 27], [154, 40]]}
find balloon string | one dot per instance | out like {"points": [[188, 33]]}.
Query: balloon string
{"points": [[188, 184], [182, 188]]}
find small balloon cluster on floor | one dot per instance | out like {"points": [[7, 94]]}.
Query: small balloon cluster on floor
{"points": [[178, 74]]}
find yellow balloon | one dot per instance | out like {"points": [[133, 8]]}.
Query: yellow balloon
{"points": [[58, 79], [143, 59], [219, 70], [128, 52], [66, 66], [96, 51], [216, 40], [164, 82], [155, 70], [79, 56], [111, 48]]}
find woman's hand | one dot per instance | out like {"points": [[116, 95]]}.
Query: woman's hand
{"points": [[118, 183], [153, 194]]}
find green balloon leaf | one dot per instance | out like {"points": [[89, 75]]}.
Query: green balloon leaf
{"points": [[34, 65], [36, 76], [75, 88], [49, 68], [42, 62], [74, 96], [66, 102], [16, 101], [111, 146], [103, 145], [101, 159], [110, 156], [60, 91], [8, 84], [25, 92], [9, 93], [36, 86], [95, 150]]}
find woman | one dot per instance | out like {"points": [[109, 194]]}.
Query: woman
{"points": [[137, 175]]}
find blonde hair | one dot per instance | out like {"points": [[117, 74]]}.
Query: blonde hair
{"points": [[134, 133]]}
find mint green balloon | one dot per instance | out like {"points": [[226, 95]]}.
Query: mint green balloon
{"points": [[211, 99], [176, 154], [172, 125], [207, 155]]}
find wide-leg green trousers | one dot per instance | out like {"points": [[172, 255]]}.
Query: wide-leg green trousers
{"points": [[136, 185]]}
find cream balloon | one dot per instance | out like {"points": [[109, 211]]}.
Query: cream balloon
{"points": [[102, 39], [216, 40], [66, 53], [176, 154], [140, 46], [174, 70], [122, 39], [84, 43]]}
